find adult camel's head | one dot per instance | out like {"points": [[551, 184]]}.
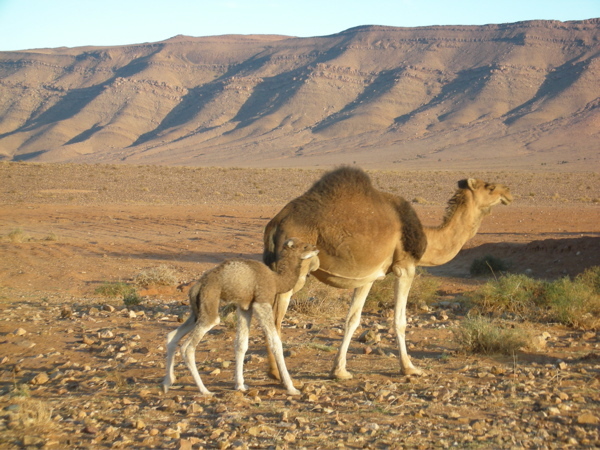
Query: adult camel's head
{"points": [[472, 201], [483, 195]]}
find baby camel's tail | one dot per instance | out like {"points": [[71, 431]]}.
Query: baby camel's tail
{"points": [[194, 296]]}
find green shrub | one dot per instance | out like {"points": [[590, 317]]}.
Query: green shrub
{"points": [[114, 290], [590, 278], [575, 303], [488, 265], [482, 335], [572, 303], [132, 298], [511, 293]]}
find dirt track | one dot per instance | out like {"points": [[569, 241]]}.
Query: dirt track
{"points": [[82, 227]]}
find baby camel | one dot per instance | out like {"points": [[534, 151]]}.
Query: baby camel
{"points": [[252, 286]]}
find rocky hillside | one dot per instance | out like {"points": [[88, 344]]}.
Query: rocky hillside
{"points": [[497, 96]]}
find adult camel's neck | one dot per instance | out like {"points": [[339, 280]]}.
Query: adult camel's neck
{"points": [[461, 223]]}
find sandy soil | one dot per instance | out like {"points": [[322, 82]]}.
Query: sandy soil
{"points": [[65, 230]]}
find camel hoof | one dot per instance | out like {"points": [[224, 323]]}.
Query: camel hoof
{"points": [[341, 374], [242, 387], [294, 392], [165, 386], [274, 375], [412, 371]]}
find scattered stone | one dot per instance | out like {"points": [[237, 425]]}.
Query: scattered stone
{"points": [[40, 378], [105, 334], [553, 411], [20, 332], [185, 444], [588, 419], [90, 429]]}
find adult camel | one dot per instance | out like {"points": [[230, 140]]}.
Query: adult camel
{"points": [[363, 234]]}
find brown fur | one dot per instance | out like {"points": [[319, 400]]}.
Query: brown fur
{"points": [[364, 233], [252, 286], [340, 207]]}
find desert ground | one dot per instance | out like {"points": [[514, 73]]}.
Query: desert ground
{"points": [[82, 370]]}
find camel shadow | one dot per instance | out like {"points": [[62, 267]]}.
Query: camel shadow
{"points": [[540, 258]]}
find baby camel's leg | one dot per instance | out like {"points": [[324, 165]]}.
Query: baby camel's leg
{"points": [[188, 349], [241, 346], [264, 313], [173, 339], [280, 307]]}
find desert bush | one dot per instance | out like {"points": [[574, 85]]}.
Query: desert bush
{"points": [[575, 303], [18, 235], [132, 298], [572, 303], [32, 416], [114, 290], [318, 299], [488, 265], [423, 291], [156, 276], [590, 278], [481, 335], [511, 293]]}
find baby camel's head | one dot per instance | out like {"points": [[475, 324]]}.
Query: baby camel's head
{"points": [[295, 247]]}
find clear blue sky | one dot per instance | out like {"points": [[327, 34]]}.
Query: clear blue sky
{"points": [[26, 24]]}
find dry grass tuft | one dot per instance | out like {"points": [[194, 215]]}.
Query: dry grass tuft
{"points": [[18, 235], [29, 416], [156, 276], [482, 335], [318, 299], [422, 292]]}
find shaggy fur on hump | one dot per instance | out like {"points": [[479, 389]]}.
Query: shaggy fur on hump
{"points": [[330, 183], [338, 183]]}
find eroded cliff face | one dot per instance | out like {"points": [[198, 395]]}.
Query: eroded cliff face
{"points": [[451, 96]]}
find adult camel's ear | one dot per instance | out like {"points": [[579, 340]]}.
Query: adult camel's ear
{"points": [[463, 184], [472, 182], [289, 243]]}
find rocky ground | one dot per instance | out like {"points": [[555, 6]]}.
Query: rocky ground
{"points": [[81, 370]]}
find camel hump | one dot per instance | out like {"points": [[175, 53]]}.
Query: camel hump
{"points": [[346, 178]]}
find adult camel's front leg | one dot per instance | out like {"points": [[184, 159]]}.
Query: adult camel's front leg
{"points": [[352, 321], [403, 282], [280, 306]]}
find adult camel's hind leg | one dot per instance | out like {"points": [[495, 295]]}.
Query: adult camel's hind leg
{"points": [[241, 346], [173, 339], [402, 286], [280, 306], [352, 321], [264, 313]]}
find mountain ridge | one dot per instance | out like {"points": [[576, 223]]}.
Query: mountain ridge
{"points": [[499, 95]]}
